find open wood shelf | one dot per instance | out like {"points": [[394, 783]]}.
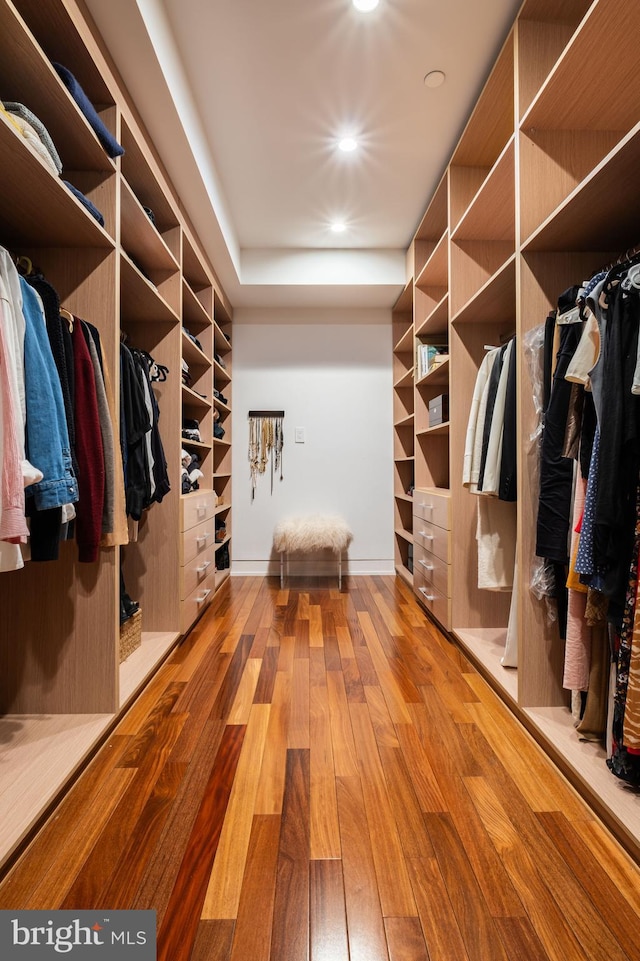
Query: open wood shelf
{"points": [[435, 272], [494, 302], [434, 431], [405, 421], [432, 226], [610, 33], [601, 212], [491, 214], [140, 238], [542, 191], [194, 312], [28, 77], [194, 356], [192, 399], [142, 274], [405, 343], [141, 300], [406, 380], [55, 746], [436, 320], [544, 30], [404, 534], [29, 191], [156, 645], [438, 376]]}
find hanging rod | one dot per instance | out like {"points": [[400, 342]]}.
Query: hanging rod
{"points": [[266, 413]]}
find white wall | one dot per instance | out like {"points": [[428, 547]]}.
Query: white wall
{"points": [[330, 371]]}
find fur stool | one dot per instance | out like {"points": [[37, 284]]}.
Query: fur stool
{"points": [[314, 532]]}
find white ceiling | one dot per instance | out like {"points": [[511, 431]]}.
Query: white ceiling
{"points": [[246, 100]]}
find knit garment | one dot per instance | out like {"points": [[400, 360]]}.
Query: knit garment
{"points": [[106, 138], [19, 110], [29, 134]]}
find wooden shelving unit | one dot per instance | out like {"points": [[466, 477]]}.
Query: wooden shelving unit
{"points": [[539, 193], [142, 274]]}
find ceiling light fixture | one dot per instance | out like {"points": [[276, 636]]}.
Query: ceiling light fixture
{"points": [[365, 5], [348, 144], [435, 78], [338, 227]]}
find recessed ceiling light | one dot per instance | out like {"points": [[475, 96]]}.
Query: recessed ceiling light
{"points": [[434, 79], [338, 227], [348, 144], [365, 5]]}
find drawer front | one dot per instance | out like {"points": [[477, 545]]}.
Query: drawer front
{"points": [[433, 569], [197, 570], [434, 539], [434, 601], [195, 603], [434, 507], [196, 508], [197, 540]]}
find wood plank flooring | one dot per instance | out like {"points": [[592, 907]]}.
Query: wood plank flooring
{"points": [[317, 775]]}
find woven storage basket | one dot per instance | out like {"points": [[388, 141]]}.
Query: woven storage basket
{"points": [[130, 635]]}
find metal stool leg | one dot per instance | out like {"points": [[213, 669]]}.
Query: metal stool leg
{"points": [[281, 569], [340, 571]]}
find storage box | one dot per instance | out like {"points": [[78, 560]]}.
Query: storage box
{"points": [[130, 635], [438, 410]]}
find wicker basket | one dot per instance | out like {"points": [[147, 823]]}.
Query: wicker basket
{"points": [[130, 635]]}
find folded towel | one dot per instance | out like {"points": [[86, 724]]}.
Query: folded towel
{"points": [[105, 137]]}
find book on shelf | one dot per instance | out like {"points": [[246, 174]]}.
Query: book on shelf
{"points": [[428, 357]]}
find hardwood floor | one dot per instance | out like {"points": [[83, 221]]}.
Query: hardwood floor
{"points": [[317, 775]]}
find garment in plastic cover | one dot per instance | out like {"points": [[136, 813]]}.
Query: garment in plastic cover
{"points": [[541, 579]]}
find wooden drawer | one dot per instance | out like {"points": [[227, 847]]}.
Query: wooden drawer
{"points": [[434, 506], [197, 540], [433, 600], [195, 603], [197, 570], [434, 539], [432, 569], [196, 508]]}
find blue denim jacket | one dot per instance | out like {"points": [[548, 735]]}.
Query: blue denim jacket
{"points": [[47, 439]]}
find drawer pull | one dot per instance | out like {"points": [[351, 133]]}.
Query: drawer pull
{"points": [[202, 510], [429, 597], [428, 537], [203, 568], [427, 567], [202, 540], [200, 600]]}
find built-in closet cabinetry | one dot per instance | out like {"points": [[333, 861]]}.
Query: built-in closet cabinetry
{"points": [[540, 191], [140, 278], [403, 432]]}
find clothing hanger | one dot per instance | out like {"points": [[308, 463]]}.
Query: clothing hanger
{"points": [[68, 316], [24, 265], [572, 316]]}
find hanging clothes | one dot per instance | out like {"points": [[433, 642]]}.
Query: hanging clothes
{"points": [[489, 468], [91, 478]]}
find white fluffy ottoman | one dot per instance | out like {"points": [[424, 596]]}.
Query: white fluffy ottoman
{"points": [[314, 532]]}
